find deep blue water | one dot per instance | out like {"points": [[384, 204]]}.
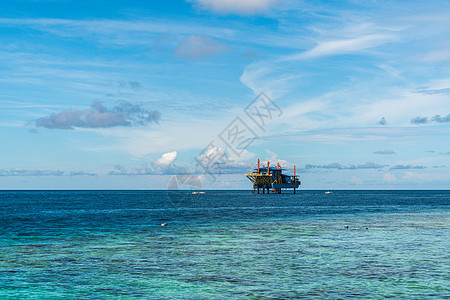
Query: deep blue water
{"points": [[224, 244]]}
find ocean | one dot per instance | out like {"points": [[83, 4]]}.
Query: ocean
{"points": [[224, 245]]}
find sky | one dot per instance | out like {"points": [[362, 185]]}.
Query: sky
{"points": [[189, 94]]}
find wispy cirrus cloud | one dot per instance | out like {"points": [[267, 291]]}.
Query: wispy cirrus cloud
{"points": [[240, 7], [197, 46], [133, 84], [98, 116], [445, 91], [286, 72], [105, 27], [159, 32], [346, 38], [344, 46]]}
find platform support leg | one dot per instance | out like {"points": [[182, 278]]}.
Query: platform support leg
{"points": [[294, 191], [258, 190]]}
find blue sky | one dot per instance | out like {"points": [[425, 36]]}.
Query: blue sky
{"points": [[126, 95]]}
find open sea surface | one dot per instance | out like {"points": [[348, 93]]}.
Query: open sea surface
{"points": [[224, 245]]}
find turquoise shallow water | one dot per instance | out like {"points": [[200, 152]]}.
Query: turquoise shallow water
{"points": [[225, 245]]}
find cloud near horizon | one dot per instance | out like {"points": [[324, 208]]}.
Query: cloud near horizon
{"points": [[368, 165], [25, 172], [124, 113], [439, 119], [387, 151], [213, 161], [166, 159], [165, 165], [82, 173], [436, 119], [406, 167], [338, 166]]}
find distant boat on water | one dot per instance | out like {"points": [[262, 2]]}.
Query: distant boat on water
{"points": [[198, 192], [328, 192]]}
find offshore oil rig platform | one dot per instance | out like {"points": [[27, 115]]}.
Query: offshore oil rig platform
{"points": [[267, 178]]}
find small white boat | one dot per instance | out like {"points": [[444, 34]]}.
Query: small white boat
{"points": [[329, 192], [198, 192]]}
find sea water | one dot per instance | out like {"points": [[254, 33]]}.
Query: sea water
{"points": [[224, 245]]}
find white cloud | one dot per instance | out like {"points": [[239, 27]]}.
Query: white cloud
{"points": [[216, 160], [343, 46], [244, 155], [166, 159], [240, 7], [274, 159], [162, 166], [346, 38]]}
